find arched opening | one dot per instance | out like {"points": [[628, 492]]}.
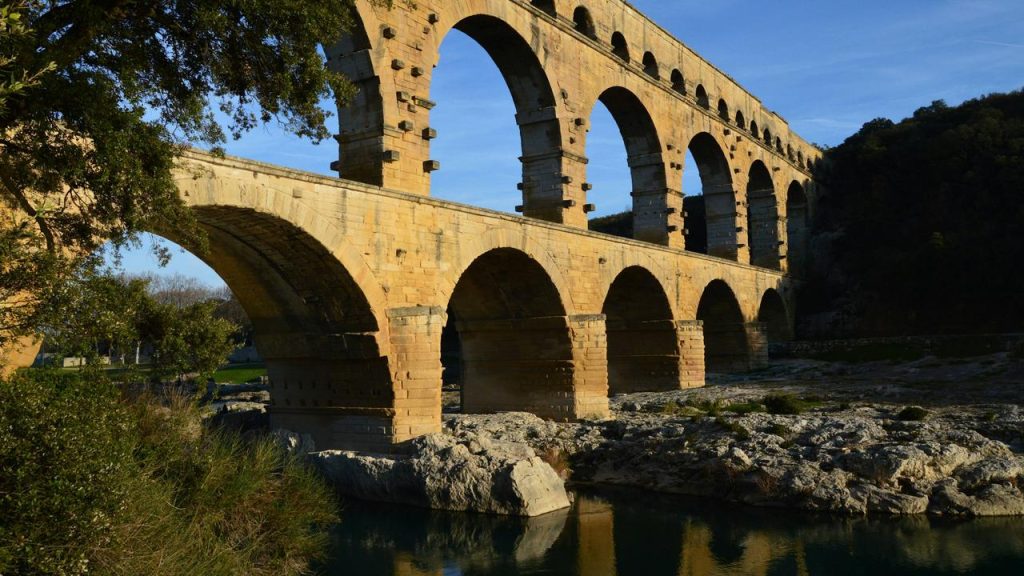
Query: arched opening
{"points": [[753, 129], [651, 65], [352, 56], [762, 218], [778, 145], [797, 234], [678, 82], [767, 137], [702, 97], [725, 337], [800, 158], [723, 110], [546, 6], [643, 349], [584, 22], [740, 120], [619, 46], [311, 322], [773, 316], [516, 352], [790, 153], [467, 87], [712, 215], [643, 157]]}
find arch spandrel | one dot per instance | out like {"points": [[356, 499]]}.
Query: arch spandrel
{"points": [[665, 276], [470, 250]]}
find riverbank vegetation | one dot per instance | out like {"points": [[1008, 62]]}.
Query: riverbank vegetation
{"points": [[99, 479]]}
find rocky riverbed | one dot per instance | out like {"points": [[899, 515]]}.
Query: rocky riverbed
{"points": [[936, 436], [904, 438]]}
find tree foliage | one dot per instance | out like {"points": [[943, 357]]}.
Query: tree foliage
{"points": [[103, 314], [104, 94], [924, 219]]}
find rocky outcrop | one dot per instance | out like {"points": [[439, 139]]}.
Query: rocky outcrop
{"points": [[857, 461], [466, 472]]}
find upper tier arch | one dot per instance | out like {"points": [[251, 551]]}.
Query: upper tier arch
{"points": [[557, 57]]}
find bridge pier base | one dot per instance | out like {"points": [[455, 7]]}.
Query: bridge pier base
{"points": [[690, 334], [554, 367], [416, 370], [656, 356], [727, 348], [757, 340]]}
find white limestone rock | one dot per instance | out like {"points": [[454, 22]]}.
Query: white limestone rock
{"points": [[468, 473]]}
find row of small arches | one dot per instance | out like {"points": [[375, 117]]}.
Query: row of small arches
{"points": [[584, 23]]}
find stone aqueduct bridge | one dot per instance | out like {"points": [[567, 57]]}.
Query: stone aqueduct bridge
{"points": [[350, 282]]}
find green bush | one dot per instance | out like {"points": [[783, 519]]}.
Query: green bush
{"points": [[780, 403], [744, 408], [94, 482], [66, 471], [912, 414]]}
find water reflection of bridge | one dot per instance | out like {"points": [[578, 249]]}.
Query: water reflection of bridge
{"points": [[654, 536]]}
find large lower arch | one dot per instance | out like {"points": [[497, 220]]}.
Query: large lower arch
{"points": [[720, 219], [643, 343], [797, 234], [312, 321], [646, 165], [725, 335], [762, 218], [514, 336], [534, 100]]}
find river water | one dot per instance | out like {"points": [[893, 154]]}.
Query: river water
{"points": [[611, 533]]}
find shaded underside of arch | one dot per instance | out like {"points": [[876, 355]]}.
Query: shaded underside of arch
{"points": [[797, 228], [773, 315], [725, 339], [536, 115], [720, 217], [646, 164], [514, 336], [312, 322], [643, 347], [762, 218]]}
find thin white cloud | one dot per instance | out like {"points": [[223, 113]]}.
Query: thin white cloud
{"points": [[993, 43]]}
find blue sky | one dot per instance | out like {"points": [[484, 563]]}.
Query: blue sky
{"points": [[826, 66]]}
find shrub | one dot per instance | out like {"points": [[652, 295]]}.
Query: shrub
{"points": [[912, 414], [778, 403], [94, 482], [66, 471], [780, 430], [744, 408]]}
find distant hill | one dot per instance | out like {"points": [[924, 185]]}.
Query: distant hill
{"points": [[920, 225], [621, 224]]}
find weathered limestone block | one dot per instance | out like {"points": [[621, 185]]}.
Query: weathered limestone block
{"points": [[469, 473]]}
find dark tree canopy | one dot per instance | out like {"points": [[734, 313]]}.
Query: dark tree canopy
{"points": [[104, 95], [924, 219]]}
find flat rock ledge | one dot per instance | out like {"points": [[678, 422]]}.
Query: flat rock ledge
{"points": [[854, 462], [465, 472]]}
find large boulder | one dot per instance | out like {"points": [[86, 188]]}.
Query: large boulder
{"points": [[468, 473]]}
